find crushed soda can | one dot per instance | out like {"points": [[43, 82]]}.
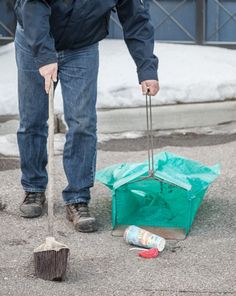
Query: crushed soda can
{"points": [[143, 238]]}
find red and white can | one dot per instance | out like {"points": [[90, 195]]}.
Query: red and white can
{"points": [[143, 238]]}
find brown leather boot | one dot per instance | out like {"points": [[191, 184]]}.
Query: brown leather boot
{"points": [[79, 215], [32, 205]]}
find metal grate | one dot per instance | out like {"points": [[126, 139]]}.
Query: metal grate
{"points": [[177, 17], [173, 20], [221, 21], [189, 21]]}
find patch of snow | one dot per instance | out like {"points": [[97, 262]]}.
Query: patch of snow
{"points": [[8, 81], [8, 145], [102, 137], [187, 73]]}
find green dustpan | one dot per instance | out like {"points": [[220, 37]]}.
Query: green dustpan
{"points": [[161, 195]]}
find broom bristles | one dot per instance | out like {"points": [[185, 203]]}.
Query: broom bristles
{"points": [[51, 265], [50, 260]]}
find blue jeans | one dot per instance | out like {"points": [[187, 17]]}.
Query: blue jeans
{"points": [[78, 70]]}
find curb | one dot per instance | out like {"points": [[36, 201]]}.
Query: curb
{"points": [[171, 117]]}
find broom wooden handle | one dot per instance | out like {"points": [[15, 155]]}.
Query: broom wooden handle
{"points": [[50, 159]]}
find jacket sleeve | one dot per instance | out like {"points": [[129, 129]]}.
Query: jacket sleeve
{"points": [[35, 18], [139, 37]]}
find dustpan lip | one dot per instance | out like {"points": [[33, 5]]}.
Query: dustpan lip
{"points": [[170, 176], [119, 183], [159, 174]]}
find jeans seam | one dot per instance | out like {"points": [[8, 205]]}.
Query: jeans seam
{"points": [[93, 167], [77, 200], [33, 189]]}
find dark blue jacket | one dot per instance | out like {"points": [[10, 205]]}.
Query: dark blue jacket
{"points": [[54, 25]]}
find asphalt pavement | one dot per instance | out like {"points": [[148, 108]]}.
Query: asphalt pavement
{"points": [[100, 264]]}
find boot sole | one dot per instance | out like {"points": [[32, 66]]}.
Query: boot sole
{"points": [[32, 212], [29, 214], [84, 226]]}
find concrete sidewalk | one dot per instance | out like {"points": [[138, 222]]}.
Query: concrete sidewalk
{"points": [[203, 264], [167, 117], [200, 118]]}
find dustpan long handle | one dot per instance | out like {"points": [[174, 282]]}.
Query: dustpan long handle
{"points": [[149, 134], [50, 158]]}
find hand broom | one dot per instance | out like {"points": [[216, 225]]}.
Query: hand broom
{"points": [[50, 258]]}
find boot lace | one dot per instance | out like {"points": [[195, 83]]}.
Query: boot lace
{"points": [[32, 197], [82, 209]]}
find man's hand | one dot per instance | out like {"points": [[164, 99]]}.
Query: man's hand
{"points": [[49, 73], [152, 85]]}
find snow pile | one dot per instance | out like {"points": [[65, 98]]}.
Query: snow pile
{"points": [[187, 73], [9, 147], [8, 81]]}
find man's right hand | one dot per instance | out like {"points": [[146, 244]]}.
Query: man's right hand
{"points": [[49, 73]]}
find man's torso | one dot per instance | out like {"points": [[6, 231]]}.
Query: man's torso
{"points": [[76, 23]]}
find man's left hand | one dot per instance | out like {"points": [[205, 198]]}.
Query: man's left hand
{"points": [[152, 85]]}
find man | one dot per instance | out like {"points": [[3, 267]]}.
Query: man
{"points": [[58, 40]]}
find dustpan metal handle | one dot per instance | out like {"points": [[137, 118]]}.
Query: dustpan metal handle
{"points": [[50, 158], [151, 135], [150, 144]]}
